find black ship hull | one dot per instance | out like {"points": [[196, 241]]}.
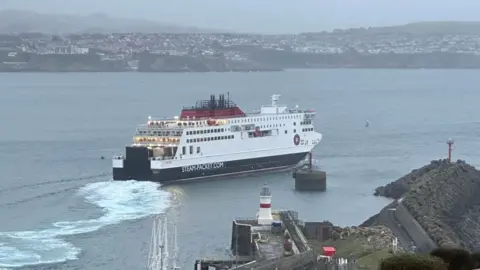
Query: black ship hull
{"points": [[138, 168]]}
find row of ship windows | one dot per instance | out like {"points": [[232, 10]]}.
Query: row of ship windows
{"points": [[228, 137], [215, 130], [303, 130], [184, 150], [160, 133], [195, 132], [248, 120]]}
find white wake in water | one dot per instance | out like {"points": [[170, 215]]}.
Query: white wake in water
{"points": [[119, 200]]}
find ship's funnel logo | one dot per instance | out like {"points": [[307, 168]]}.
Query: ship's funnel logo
{"points": [[296, 139]]}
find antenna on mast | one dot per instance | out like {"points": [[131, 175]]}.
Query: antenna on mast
{"points": [[175, 249], [158, 254]]}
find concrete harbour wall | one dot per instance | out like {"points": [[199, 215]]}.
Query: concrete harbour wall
{"points": [[421, 238]]}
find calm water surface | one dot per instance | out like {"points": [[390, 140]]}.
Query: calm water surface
{"points": [[59, 209]]}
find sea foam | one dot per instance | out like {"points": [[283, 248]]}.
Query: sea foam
{"points": [[120, 201]]}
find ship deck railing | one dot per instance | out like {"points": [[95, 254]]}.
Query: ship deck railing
{"points": [[155, 144], [144, 127], [196, 119]]}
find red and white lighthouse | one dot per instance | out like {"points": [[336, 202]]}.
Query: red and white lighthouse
{"points": [[450, 142], [265, 212]]}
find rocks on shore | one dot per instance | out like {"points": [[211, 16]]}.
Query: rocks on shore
{"points": [[379, 237], [397, 188], [444, 198]]}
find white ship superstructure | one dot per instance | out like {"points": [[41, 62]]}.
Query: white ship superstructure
{"points": [[217, 138]]}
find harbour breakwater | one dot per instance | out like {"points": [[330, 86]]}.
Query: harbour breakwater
{"points": [[438, 204]]}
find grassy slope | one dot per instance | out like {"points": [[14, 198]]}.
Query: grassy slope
{"points": [[367, 256]]}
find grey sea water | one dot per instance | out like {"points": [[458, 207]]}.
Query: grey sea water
{"points": [[59, 209]]}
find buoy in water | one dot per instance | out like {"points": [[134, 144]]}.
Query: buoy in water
{"points": [[367, 124], [102, 157]]}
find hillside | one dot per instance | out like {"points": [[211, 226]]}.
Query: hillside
{"points": [[427, 28], [445, 199], [15, 21]]}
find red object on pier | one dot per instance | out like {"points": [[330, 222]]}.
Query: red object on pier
{"points": [[329, 251]]}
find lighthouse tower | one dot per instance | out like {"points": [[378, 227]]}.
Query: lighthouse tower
{"points": [[265, 212]]}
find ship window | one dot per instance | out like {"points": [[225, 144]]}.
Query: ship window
{"points": [[286, 131], [188, 140], [198, 149], [191, 149], [184, 151], [294, 123], [294, 131]]}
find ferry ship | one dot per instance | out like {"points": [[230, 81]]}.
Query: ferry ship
{"points": [[216, 138]]}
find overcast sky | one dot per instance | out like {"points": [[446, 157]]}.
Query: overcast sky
{"points": [[268, 16]]}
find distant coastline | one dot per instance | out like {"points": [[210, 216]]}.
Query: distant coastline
{"points": [[266, 61], [153, 47]]}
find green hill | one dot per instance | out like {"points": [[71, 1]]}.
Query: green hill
{"points": [[440, 27]]}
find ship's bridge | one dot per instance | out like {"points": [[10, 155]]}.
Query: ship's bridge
{"points": [[276, 108]]}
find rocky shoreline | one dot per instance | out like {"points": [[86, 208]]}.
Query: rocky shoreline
{"points": [[367, 246], [378, 237], [444, 197]]}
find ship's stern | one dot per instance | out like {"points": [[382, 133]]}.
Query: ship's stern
{"points": [[135, 165], [118, 170]]}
